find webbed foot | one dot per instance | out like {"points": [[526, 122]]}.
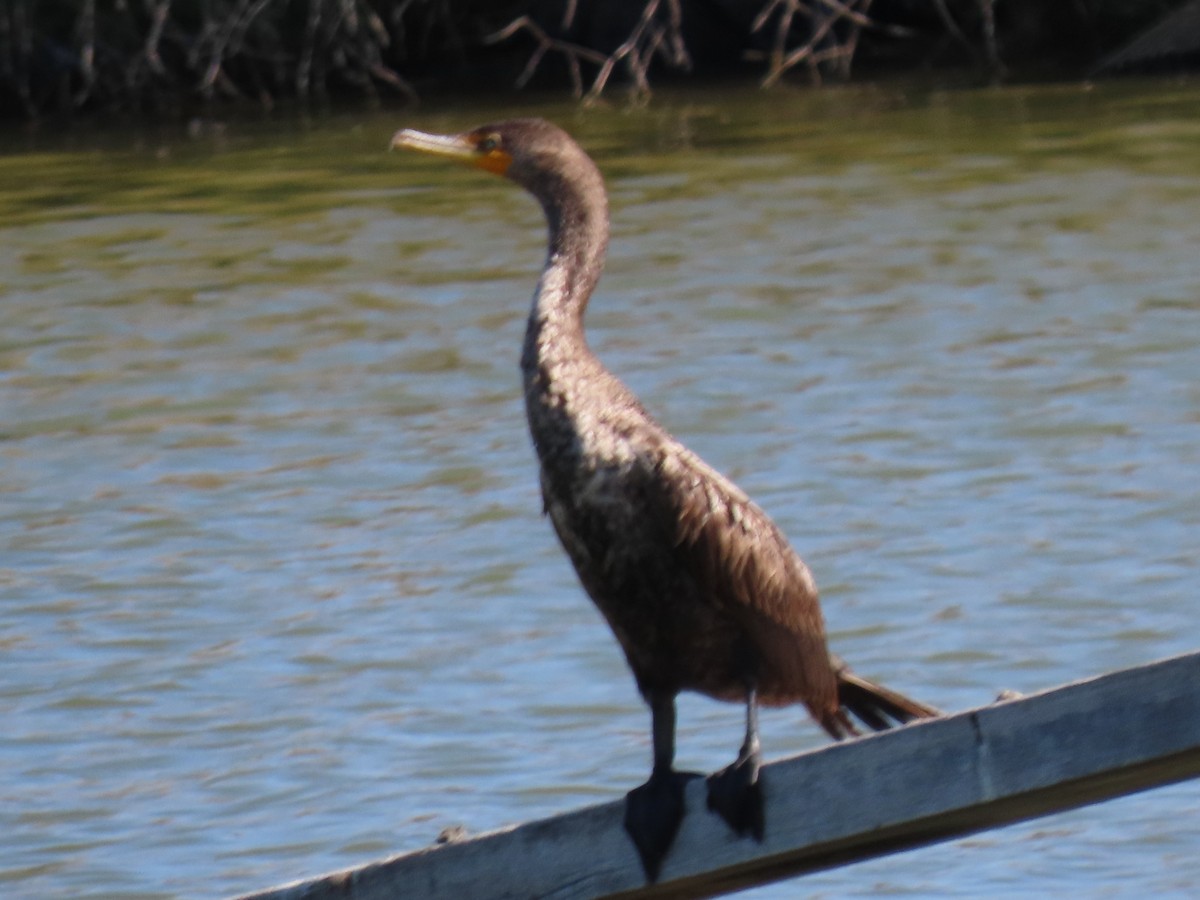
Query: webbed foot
{"points": [[736, 794], [653, 813]]}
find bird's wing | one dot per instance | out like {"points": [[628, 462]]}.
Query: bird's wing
{"points": [[738, 558]]}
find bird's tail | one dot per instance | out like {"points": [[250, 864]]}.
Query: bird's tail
{"points": [[878, 707]]}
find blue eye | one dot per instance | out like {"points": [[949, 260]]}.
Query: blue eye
{"points": [[488, 144]]}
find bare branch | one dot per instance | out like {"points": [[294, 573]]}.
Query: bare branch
{"points": [[158, 21], [648, 40], [156, 53], [304, 69], [834, 28], [86, 30], [991, 48], [571, 52]]}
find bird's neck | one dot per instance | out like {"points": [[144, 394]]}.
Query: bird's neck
{"points": [[577, 215]]}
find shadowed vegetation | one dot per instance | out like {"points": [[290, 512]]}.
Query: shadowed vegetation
{"points": [[172, 56]]}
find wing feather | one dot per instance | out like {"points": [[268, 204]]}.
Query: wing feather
{"points": [[741, 564]]}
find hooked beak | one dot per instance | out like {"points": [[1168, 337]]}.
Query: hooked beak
{"points": [[461, 147], [451, 146]]}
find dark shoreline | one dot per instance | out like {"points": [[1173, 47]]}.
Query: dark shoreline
{"points": [[177, 59]]}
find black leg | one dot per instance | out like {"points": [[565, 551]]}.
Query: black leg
{"points": [[735, 793], [654, 811]]}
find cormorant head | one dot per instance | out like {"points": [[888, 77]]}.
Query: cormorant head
{"points": [[532, 152]]}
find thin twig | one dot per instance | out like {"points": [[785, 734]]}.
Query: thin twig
{"points": [[951, 26], [158, 21], [648, 39], [990, 46], [822, 22], [87, 51], [571, 52], [304, 68]]}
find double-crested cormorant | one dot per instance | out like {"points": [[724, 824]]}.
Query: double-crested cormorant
{"points": [[699, 586]]}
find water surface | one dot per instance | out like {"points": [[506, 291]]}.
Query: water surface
{"points": [[275, 593]]}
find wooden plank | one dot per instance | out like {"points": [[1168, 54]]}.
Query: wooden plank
{"points": [[929, 781]]}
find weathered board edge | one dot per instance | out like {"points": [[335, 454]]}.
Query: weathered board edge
{"points": [[934, 780]]}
